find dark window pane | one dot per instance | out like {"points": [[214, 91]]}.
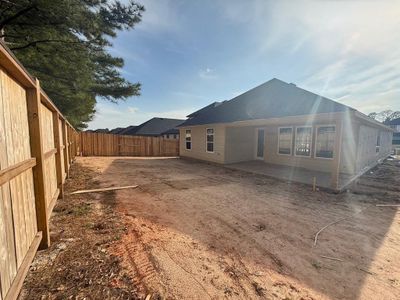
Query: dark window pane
{"points": [[210, 147], [284, 150], [325, 153], [188, 145]]}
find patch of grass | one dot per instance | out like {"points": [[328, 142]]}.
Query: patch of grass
{"points": [[88, 225], [316, 265], [81, 210]]}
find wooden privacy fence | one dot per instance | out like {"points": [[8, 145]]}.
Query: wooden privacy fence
{"points": [[37, 146], [104, 144]]}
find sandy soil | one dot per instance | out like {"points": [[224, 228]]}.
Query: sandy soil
{"points": [[198, 231], [78, 265]]}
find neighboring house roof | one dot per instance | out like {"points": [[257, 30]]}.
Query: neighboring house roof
{"points": [[272, 99], [101, 130], [154, 127], [171, 131], [117, 130], [127, 129], [393, 122]]}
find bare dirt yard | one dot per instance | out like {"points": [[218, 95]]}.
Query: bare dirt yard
{"points": [[198, 231]]}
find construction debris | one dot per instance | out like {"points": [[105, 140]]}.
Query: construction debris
{"points": [[331, 258], [333, 223], [104, 189]]}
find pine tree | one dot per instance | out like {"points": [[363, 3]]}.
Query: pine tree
{"points": [[64, 43]]}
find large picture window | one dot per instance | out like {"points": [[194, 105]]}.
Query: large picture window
{"points": [[210, 139], [188, 139], [303, 141], [325, 142], [285, 140]]}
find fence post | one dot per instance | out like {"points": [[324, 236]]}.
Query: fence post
{"points": [[70, 145], [36, 142], [57, 142], [65, 141]]}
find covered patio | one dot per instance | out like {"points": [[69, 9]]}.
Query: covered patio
{"points": [[292, 174]]}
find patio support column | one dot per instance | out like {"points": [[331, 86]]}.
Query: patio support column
{"points": [[336, 154]]}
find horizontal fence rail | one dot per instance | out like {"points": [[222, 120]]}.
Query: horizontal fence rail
{"points": [[37, 147], [104, 144]]}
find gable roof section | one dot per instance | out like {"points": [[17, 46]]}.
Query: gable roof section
{"points": [[204, 109], [125, 131], [117, 130], [171, 131], [273, 99], [154, 127]]}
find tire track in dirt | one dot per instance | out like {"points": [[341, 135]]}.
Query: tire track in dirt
{"points": [[139, 262], [187, 271]]}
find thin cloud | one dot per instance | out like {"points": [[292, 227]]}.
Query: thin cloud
{"points": [[207, 73], [160, 16]]}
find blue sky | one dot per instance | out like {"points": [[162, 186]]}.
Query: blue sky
{"points": [[187, 54]]}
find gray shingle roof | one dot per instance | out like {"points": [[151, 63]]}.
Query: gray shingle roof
{"points": [[272, 99], [171, 131], [204, 109], [154, 127], [117, 130], [125, 131]]}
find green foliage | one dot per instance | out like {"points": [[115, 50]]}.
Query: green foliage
{"points": [[64, 43], [385, 116]]}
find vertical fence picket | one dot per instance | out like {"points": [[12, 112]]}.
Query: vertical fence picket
{"points": [[33, 104], [104, 144]]}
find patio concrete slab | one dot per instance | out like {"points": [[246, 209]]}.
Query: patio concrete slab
{"points": [[290, 174]]}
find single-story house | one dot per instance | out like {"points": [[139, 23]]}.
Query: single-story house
{"points": [[171, 134], [284, 126], [395, 125], [154, 127]]}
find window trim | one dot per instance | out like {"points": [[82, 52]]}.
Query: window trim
{"points": [[213, 142], [378, 147], [191, 144], [316, 140], [291, 141], [311, 146]]}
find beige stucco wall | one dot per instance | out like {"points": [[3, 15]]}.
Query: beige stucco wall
{"points": [[242, 142], [236, 142], [198, 150], [366, 149], [348, 153], [239, 144]]}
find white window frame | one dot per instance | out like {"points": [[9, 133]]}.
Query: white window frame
{"points": [[291, 141], [311, 142], [378, 147], [213, 142], [191, 143], [316, 141]]}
